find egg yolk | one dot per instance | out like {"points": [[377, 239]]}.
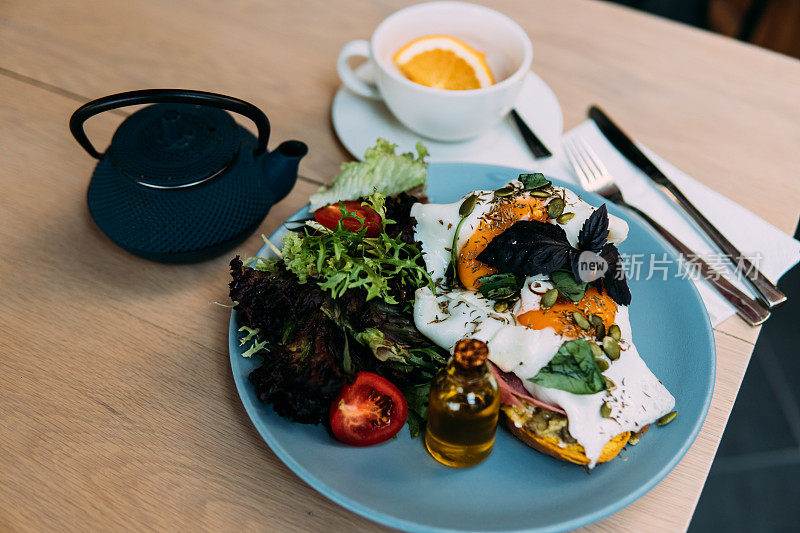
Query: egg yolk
{"points": [[503, 214], [559, 317]]}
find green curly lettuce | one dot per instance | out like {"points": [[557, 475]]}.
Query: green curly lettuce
{"points": [[251, 336], [340, 260], [382, 170]]}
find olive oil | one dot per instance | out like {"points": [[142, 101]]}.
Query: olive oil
{"points": [[463, 409]]}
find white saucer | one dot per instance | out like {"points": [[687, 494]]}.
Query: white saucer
{"points": [[359, 121]]}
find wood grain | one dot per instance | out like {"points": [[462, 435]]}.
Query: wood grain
{"points": [[118, 409], [118, 406], [692, 96], [723, 111]]}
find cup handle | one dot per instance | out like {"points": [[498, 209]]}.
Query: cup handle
{"points": [[358, 48]]}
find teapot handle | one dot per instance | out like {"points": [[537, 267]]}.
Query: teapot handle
{"points": [[166, 96]]}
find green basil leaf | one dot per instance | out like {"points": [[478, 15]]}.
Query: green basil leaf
{"points": [[534, 181], [500, 286], [567, 286], [572, 369]]}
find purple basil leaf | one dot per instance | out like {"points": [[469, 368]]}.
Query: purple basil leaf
{"points": [[594, 232], [614, 280], [527, 248], [574, 261]]}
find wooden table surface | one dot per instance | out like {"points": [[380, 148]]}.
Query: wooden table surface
{"points": [[117, 406]]}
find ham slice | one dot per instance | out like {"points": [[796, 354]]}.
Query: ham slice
{"points": [[512, 391]]}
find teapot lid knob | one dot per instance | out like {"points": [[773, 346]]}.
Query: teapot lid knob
{"points": [[175, 145]]}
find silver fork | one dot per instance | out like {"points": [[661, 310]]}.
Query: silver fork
{"points": [[594, 177]]}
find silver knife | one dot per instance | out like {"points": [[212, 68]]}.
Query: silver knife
{"points": [[535, 145], [749, 309], [768, 293]]}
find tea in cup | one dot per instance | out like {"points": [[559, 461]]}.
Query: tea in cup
{"points": [[447, 70]]}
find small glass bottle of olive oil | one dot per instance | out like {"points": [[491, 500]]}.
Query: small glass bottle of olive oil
{"points": [[463, 409]]}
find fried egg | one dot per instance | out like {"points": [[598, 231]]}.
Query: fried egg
{"points": [[524, 338]]}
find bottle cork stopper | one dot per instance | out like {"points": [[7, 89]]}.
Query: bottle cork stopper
{"points": [[470, 353]]}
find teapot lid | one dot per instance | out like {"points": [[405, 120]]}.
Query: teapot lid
{"points": [[175, 145]]}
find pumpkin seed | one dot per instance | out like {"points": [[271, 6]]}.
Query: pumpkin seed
{"points": [[549, 299], [468, 205], [595, 320], [579, 319], [597, 351], [540, 194], [667, 418], [605, 410], [611, 348], [566, 217], [501, 307], [610, 385], [614, 332], [504, 191], [602, 364], [555, 208], [600, 331], [539, 287]]}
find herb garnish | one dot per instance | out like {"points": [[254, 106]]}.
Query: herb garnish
{"points": [[534, 181], [530, 247], [527, 248], [567, 285], [465, 210], [503, 286], [573, 369], [594, 231]]}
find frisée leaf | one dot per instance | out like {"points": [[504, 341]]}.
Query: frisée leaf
{"points": [[340, 260]]}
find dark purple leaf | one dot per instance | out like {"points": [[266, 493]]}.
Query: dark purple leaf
{"points": [[574, 261], [614, 280], [594, 232], [527, 248]]}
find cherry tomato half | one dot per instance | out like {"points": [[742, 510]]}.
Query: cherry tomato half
{"points": [[369, 411], [330, 215]]}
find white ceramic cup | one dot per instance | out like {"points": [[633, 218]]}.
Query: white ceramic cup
{"points": [[438, 113]]}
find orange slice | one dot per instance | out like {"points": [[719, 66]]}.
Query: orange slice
{"points": [[444, 62]]}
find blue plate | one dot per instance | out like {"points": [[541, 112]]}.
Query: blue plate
{"points": [[516, 489]]}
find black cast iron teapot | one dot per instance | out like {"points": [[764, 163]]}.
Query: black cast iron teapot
{"points": [[181, 181]]}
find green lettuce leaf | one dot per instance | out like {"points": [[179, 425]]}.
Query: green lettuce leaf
{"points": [[382, 170], [417, 399]]}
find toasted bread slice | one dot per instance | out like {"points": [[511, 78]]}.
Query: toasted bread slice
{"points": [[555, 447]]}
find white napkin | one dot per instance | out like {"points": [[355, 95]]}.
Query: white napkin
{"points": [[775, 252]]}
